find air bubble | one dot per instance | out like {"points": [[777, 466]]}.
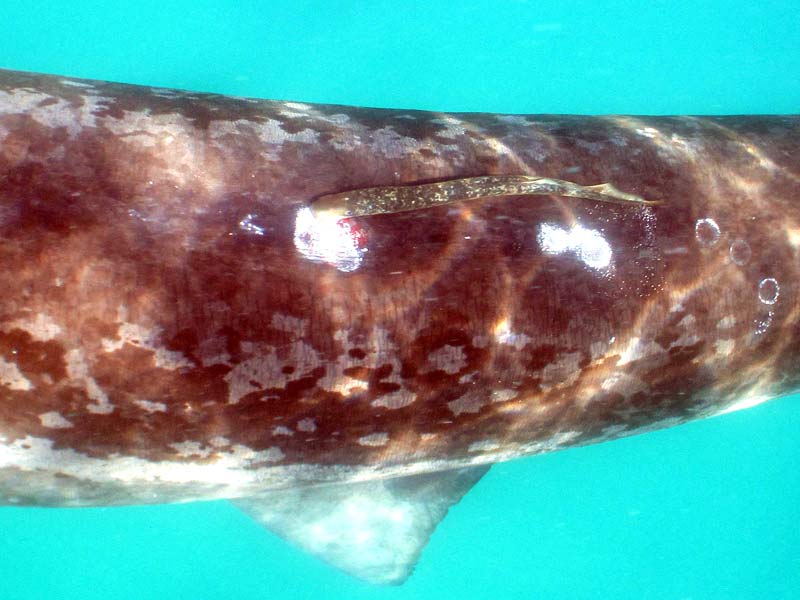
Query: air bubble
{"points": [[768, 290], [740, 252], [707, 232]]}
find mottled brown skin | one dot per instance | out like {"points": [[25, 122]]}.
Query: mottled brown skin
{"points": [[105, 219]]}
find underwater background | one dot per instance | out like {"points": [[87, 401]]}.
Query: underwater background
{"points": [[709, 510]]}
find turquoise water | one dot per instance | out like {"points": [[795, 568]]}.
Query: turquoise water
{"points": [[705, 511]]}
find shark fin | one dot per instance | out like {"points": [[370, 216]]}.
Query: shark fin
{"points": [[373, 530]]}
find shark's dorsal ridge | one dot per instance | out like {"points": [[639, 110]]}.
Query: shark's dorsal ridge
{"points": [[373, 530]]}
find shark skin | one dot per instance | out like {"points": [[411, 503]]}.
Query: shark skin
{"points": [[176, 324]]}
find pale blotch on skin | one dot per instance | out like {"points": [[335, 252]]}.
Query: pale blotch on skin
{"points": [[468, 377], [636, 350], [503, 395], [393, 400], [12, 377], [380, 349], [672, 147], [297, 327], [41, 328], [484, 446], [624, 384], [54, 420], [78, 372], [147, 339], [468, 402], [563, 371], [151, 407], [454, 128], [374, 439], [190, 448], [270, 132], [265, 369], [726, 322], [282, 430], [307, 425], [59, 114], [450, 359], [178, 155], [724, 347]]}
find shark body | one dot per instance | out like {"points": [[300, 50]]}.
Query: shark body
{"points": [[176, 323]]}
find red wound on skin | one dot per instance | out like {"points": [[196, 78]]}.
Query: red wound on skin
{"points": [[354, 231]]}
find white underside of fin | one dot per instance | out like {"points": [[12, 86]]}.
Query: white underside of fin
{"points": [[373, 530]]}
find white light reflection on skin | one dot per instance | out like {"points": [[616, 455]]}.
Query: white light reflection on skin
{"points": [[341, 244], [588, 244]]}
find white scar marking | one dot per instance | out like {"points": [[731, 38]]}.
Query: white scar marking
{"points": [[282, 430], [12, 377], [374, 439], [54, 420]]}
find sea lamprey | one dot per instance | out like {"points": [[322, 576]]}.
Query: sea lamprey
{"points": [[401, 198]]}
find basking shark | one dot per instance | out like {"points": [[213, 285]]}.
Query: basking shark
{"points": [[341, 317]]}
